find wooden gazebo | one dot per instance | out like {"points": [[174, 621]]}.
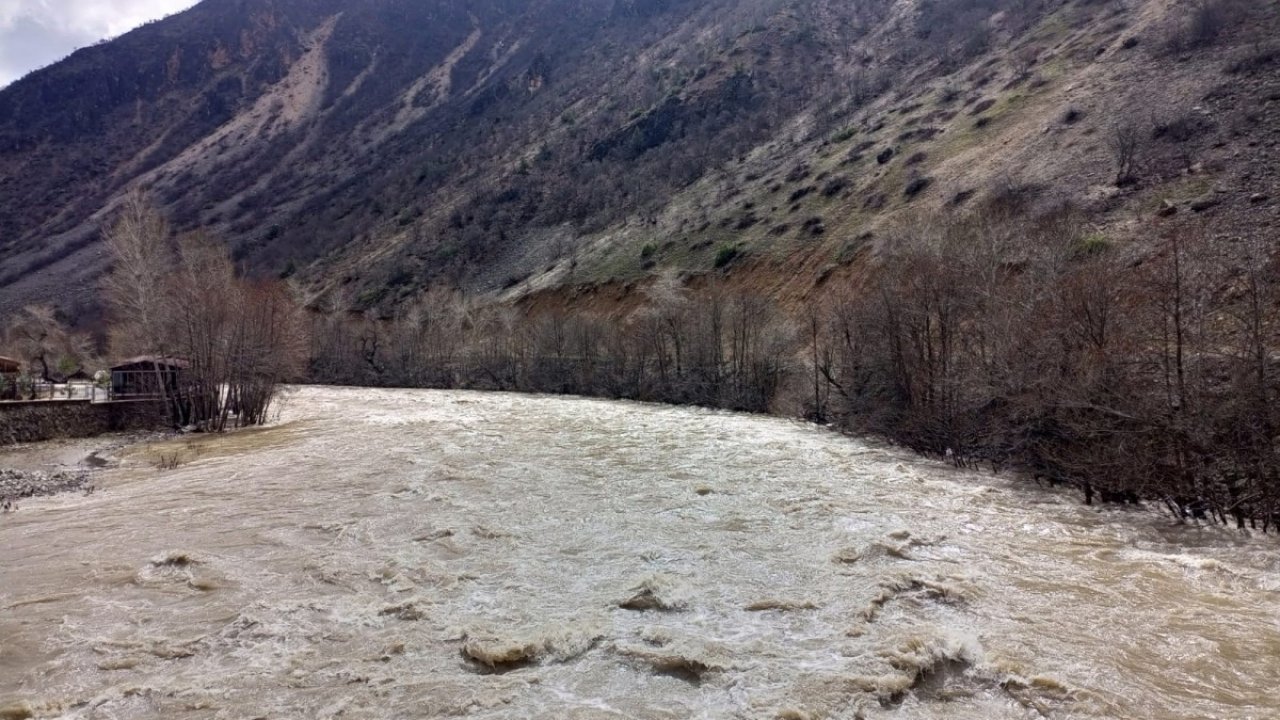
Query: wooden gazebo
{"points": [[148, 377]]}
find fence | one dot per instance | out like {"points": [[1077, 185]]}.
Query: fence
{"points": [[62, 392]]}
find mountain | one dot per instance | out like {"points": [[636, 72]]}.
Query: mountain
{"points": [[374, 148]]}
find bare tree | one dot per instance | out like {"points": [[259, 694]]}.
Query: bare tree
{"points": [[36, 335], [140, 243], [1125, 143], [266, 348], [237, 339]]}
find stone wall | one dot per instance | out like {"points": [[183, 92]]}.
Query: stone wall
{"points": [[22, 422]]}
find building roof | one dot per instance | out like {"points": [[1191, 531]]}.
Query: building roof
{"points": [[9, 365], [152, 360]]}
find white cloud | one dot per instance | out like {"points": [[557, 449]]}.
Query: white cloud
{"points": [[34, 33], [96, 17]]}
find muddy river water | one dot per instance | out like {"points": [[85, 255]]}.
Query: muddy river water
{"points": [[406, 554]]}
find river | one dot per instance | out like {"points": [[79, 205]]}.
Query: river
{"points": [[397, 554]]}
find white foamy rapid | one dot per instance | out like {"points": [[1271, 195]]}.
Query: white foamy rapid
{"points": [[397, 554]]}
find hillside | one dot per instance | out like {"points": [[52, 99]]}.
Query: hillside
{"points": [[374, 148]]}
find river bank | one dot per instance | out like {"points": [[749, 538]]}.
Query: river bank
{"points": [[51, 467], [19, 485]]}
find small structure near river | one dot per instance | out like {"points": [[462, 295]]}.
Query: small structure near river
{"points": [[10, 370], [148, 377]]}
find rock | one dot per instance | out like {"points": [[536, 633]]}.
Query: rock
{"points": [[1167, 209], [658, 592], [1257, 198], [15, 485], [1207, 202], [21, 711]]}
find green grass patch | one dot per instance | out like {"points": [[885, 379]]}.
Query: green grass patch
{"points": [[1093, 244]]}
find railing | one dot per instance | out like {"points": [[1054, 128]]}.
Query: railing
{"points": [[57, 392]]}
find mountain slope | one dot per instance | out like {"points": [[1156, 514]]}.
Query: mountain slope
{"points": [[376, 147]]}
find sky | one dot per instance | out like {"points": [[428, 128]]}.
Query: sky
{"points": [[35, 33]]}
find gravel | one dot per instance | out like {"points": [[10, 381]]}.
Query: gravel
{"points": [[16, 484]]}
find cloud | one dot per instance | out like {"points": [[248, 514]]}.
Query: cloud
{"points": [[35, 33]]}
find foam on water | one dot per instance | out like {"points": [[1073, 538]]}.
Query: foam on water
{"points": [[388, 554]]}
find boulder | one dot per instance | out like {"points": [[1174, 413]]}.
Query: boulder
{"points": [[1205, 203]]}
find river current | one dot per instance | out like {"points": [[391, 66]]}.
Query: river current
{"points": [[415, 554]]}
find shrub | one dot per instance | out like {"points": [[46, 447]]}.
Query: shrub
{"points": [[982, 106], [169, 461], [801, 193], [1012, 197], [1180, 129], [798, 173], [835, 186], [1207, 21], [1093, 243], [916, 186], [1256, 59], [1126, 144], [726, 254]]}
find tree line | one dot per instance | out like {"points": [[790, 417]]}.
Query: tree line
{"points": [[716, 348], [1132, 373]]}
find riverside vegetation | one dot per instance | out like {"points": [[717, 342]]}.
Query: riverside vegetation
{"points": [[178, 298], [1024, 343], [238, 337], [1017, 340]]}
